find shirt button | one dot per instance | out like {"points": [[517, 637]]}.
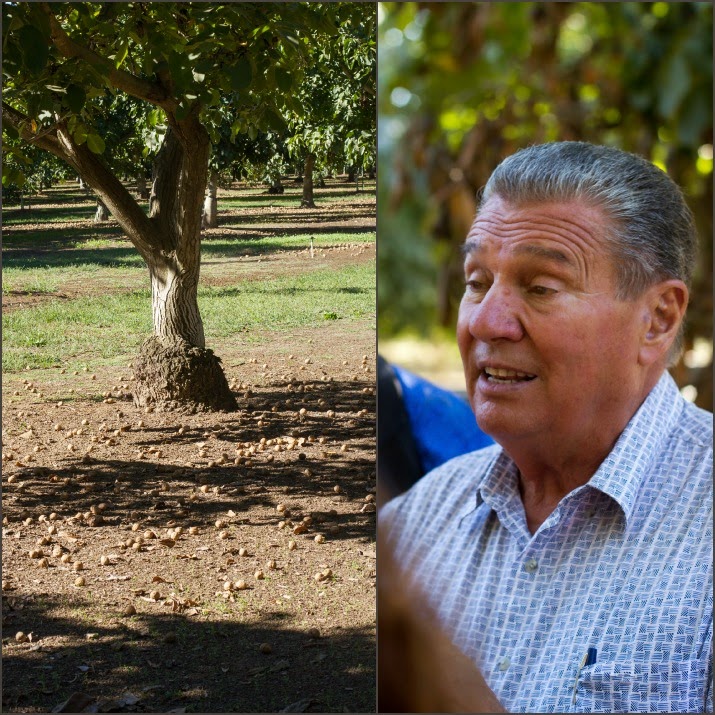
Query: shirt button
{"points": [[531, 565], [504, 663]]}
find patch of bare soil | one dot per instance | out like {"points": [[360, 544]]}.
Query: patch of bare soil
{"points": [[220, 562], [223, 271]]}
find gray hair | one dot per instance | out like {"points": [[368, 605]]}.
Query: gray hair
{"points": [[652, 233]]}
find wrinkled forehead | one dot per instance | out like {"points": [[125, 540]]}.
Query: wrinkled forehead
{"points": [[570, 233], [567, 221]]}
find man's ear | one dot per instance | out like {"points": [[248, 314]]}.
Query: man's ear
{"points": [[665, 304]]}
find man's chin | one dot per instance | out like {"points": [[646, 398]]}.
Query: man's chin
{"points": [[502, 424]]}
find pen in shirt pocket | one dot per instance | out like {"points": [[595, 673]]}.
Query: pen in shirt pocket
{"points": [[588, 659]]}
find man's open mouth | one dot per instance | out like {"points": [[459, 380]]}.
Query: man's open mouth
{"points": [[504, 376]]}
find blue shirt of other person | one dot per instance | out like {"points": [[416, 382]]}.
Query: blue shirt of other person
{"points": [[442, 423]]}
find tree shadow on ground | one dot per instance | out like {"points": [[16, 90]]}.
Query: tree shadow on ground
{"points": [[159, 489], [173, 659], [249, 287], [44, 239], [205, 658], [330, 211], [121, 257], [57, 254], [40, 213], [71, 257]]}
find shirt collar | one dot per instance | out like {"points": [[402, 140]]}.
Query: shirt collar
{"points": [[500, 484], [620, 475]]}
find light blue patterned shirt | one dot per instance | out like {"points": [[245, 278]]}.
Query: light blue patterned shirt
{"points": [[623, 565]]}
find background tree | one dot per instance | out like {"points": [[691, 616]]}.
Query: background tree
{"points": [[464, 85], [337, 99], [62, 60], [27, 171]]}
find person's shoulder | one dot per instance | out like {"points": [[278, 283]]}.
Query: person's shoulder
{"points": [[447, 488], [686, 460], [695, 426], [412, 521]]}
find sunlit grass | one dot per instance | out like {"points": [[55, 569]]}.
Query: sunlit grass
{"points": [[104, 326]]}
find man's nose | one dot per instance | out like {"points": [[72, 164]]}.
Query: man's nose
{"points": [[496, 316]]}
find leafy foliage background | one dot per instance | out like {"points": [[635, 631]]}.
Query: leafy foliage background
{"points": [[463, 85]]}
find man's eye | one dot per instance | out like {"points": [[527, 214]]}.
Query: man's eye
{"points": [[476, 287], [541, 290]]}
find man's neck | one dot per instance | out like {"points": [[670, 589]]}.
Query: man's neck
{"points": [[541, 495], [551, 469]]}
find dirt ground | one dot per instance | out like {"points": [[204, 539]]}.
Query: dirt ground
{"points": [[216, 562]]}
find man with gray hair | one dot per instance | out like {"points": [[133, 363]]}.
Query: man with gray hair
{"points": [[572, 561]]}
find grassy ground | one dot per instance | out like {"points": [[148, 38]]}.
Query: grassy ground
{"points": [[284, 486], [56, 249]]}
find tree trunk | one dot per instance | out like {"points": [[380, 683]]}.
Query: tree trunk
{"points": [[276, 186], [307, 201], [174, 370], [351, 174], [210, 215], [142, 189], [102, 214]]}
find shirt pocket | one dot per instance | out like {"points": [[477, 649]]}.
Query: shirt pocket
{"points": [[634, 687]]}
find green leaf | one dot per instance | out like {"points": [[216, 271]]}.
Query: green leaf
{"points": [[284, 80], [95, 143], [80, 134], [76, 98], [205, 66], [235, 129], [12, 177], [35, 48], [20, 156], [240, 74], [121, 54], [274, 120]]}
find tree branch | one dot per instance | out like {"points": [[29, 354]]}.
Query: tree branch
{"points": [[58, 141], [45, 139], [124, 207], [142, 89]]}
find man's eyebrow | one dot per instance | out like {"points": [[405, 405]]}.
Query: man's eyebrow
{"points": [[474, 245], [471, 245], [552, 254]]}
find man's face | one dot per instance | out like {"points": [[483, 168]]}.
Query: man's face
{"points": [[550, 355]]}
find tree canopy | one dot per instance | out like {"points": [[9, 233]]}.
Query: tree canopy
{"points": [[241, 65]]}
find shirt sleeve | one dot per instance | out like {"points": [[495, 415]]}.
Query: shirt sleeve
{"points": [[709, 670]]}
